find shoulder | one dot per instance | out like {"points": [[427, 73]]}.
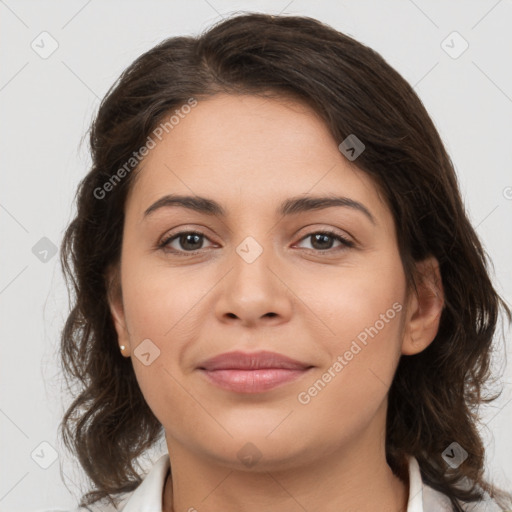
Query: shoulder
{"points": [[98, 507], [435, 501], [424, 498], [147, 496], [93, 508]]}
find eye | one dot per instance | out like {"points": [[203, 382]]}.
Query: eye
{"points": [[187, 241], [323, 241], [191, 242]]}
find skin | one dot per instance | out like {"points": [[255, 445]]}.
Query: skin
{"points": [[249, 154]]}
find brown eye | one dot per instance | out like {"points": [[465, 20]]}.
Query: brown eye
{"points": [[323, 240], [184, 242]]}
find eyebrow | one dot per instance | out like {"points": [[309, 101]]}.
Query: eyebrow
{"points": [[288, 207]]}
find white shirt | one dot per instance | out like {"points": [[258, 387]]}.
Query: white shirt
{"points": [[147, 497]]}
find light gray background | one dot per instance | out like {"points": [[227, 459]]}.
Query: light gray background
{"points": [[47, 105]]}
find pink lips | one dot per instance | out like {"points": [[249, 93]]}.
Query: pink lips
{"points": [[252, 373]]}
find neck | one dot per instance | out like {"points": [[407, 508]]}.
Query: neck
{"points": [[354, 478]]}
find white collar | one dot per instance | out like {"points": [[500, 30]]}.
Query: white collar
{"points": [[148, 496]]}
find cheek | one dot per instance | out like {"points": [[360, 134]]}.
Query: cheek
{"points": [[345, 394], [354, 300], [160, 301], [158, 305], [363, 310]]}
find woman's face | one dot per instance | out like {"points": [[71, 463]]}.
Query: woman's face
{"points": [[260, 279]]}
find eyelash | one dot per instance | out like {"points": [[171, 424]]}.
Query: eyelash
{"points": [[344, 241]]}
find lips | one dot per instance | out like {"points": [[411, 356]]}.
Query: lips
{"points": [[256, 372], [251, 361]]}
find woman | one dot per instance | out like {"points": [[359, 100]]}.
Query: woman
{"points": [[273, 269]]}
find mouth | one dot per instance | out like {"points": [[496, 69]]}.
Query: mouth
{"points": [[252, 381], [252, 372]]}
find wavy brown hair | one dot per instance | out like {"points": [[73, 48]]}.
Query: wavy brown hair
{"points": [[435, 396]]}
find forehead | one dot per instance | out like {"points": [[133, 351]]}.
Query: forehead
{"points": [[230, 146]]}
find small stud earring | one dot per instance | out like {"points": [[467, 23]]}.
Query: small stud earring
{"points": [[122, 347]]}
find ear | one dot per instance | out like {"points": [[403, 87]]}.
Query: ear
{"points": [[424, 308], [115, 302]]}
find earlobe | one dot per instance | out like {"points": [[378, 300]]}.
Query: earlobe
{"points": [[424, 308], [115, 302]]}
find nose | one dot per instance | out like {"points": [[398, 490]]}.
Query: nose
{"points": [[254, 291]]}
